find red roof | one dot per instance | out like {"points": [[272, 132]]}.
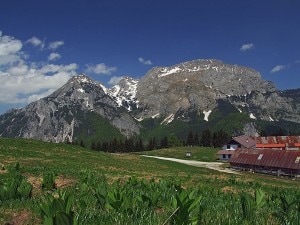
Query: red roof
{"points": [[289, 140], [287, 159], [245, 140], [270, 145]]}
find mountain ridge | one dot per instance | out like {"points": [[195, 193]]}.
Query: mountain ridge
{"points": [[197, 90]]}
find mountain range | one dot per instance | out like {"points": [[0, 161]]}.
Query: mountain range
{"points": [[194, 95]]}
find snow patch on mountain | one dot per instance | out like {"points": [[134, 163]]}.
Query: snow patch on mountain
{"points": [[104, 88], [252, 116], [139, 119], [166, 72], [168, 119], [80, 90], [206, 114], [155, 116]]}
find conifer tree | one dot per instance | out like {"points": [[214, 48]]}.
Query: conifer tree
{"points": [[93, 146], [206, 138], [190, 139], [164, 142], [82, 144], [196, 140]]}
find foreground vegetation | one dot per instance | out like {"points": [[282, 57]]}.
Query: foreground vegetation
{"points": [[45, 183]]}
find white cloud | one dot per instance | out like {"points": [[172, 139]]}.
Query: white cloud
{"points": [[9, 59], [56, 44], [278, 68], [18, 70], [144, 61], [9, 45], [52, 68], [100, 68], [115, 80], [36, 42], [23, 82], [246, 47], [38, 96], [54, 56], [10, 50]]}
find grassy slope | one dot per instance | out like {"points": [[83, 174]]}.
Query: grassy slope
{"points": [[37, 156], [68, 162]]}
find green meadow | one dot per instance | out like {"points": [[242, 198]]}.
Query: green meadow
{"points": [[47, 183]]}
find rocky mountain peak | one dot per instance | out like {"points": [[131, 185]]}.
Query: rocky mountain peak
{"points": [[80, 87], [124, 93], [58, 116], [195, 85], [82, 78]]}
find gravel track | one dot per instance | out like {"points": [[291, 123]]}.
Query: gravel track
{"points": [[208, 165]]}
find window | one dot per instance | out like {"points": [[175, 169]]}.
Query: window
{"points": [[260, 156], [224, 156], [228, 146]]}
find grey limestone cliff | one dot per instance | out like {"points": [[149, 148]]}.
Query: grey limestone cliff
{"points": [[197, 85]]}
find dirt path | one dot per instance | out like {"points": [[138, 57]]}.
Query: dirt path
{"points": [[209, 165]]}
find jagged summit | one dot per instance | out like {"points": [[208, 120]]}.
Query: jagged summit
{"points": [[82, 78], [80, 86]]}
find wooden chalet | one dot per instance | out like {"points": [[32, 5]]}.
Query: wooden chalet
{"points": [[229, 148]]}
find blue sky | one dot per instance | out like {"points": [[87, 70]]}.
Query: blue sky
{"points": [[43, 43]]}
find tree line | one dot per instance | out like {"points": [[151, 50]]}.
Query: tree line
{"points": [[206, 139]]}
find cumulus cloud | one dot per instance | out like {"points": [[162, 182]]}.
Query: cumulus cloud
{"points": [[10, 50], [23, 82], [9, 45], [278, 68], [54, 56], [36, 42], [56, 44], [115, 80], [100, 68], [144, 61], [246, 47]]}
